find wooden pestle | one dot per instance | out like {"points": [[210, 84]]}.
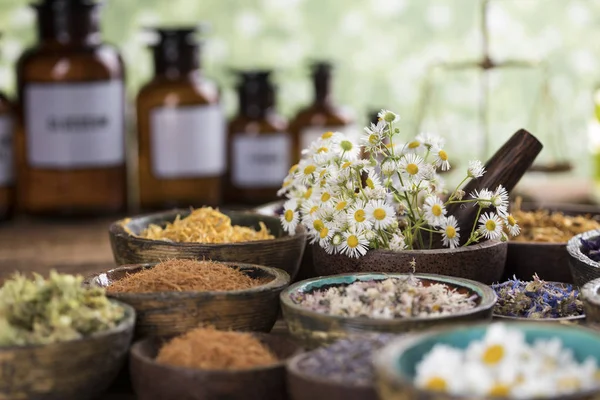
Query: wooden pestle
{"points": [[505, 168]]}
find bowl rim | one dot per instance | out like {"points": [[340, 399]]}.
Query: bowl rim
{"points": [[127, 323], [136, 353], [574, 248], [486, 293], [280, 280], [117, 229], [385, 359]]}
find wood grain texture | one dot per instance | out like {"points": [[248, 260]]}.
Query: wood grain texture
{"points": [[153, 381], [75, 370], [165, 314], [284, 252]]}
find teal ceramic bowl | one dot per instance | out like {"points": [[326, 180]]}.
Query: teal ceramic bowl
{"points": [[395, 364], [313, 329]]}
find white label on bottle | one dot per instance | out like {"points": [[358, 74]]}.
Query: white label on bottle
{"points": [[260, 161], [6, 151], [309, 135], [187, 141], [75, 125]]}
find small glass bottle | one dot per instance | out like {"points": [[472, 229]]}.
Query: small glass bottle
{"points": [[322, 115], [181, 128], [259, 145], [70, 144], [6, 158]]}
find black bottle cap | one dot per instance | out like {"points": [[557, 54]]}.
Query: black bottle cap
{"points": [[374, 116], [66, 4], [256, 92], [321, 77], [321, 68], [177, 48]]}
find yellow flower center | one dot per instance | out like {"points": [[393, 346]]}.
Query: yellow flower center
{"points": [[379, 214], [437, 384], [318, 225], [324, 232], [327, 135], [414, 144], [309, 169], [352, 241], [493, 354], [569, 383], [499, 390], [436, 210], [511, 220], [346, 164], [359, 216], [286, 183], [289, 215], [443, 155], [373, 139], [412, 169], [370, 183], [322, 150], [490, 225], [308, 193], [325, 197], [322, 173], [293, 169], [313, 210], [323, 183], [450, 232], [341, 205]]}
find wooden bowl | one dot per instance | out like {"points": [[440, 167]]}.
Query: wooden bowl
{"points": [[154, 381], [395, 363], [583, 268], [482, 262], [171, 313], [78, 369], [550, 261], [313, 329], [283, 252]]}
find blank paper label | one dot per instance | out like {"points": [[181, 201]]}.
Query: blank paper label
{"points": [[188, 141], [309, 135], [75, 125], [6, 151], [260, 161]]}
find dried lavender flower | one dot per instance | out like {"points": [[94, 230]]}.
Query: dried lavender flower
{"points": [[591, 248], [537, 299], [387, 299]]}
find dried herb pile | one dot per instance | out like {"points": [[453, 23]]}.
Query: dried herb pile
{"points": [[42, 311], [347, 360], [591, 248], [211, 349], [537, 299], [205, 225], [387, 299], [184, 275]]}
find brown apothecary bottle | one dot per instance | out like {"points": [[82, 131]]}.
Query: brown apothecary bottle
{"points": [[259, 145], [322, 115], [70, 145], [181, 128], [6, 158]]}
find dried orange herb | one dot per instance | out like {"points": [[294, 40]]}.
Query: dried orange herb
{"points": [[211, 349], [184, 275], [205, 225]]}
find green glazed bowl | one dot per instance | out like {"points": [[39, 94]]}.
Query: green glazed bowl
{"points": [[313, 329], [395, 363]]}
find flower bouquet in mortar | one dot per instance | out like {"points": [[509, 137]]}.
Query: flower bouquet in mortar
{"points": [[386, 193]]}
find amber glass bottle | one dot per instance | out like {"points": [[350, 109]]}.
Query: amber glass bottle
{"points": [[181, 128], [259, 145], [70, 143], [322, 115], [6, 158]]}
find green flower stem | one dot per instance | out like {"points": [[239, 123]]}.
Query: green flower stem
{"points": [[474, 226]]}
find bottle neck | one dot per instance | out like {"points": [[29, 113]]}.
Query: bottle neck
{"points": [[63, 26], [322, 87], [177, 62], [255, 107]]}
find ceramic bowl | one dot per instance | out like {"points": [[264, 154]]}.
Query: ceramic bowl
{"points": [[550, 261], [171, 313], [284, 252], [78, 369], [482, 262], [395, 364], [583, 268], [314, 329], [154, 381], [590, 293]]}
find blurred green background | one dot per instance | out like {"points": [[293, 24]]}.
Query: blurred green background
{"points": [[382, 49]]}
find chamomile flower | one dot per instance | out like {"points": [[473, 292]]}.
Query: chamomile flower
{"points": [[412, 166], [441, 158], [450, 232], [499, 200], [490, 226], [430, 140], [326, 233], [308, 209], [290, 217], [380, 213], [355, 244], [357, 216], [388, 116], [347, 148], [435, 212], [397, 242], [389, 167], [412, 147], [483, 197], [475, 169], [307, 172], [375, 134], [511, 225]]}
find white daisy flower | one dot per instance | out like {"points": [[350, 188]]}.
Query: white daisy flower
{"points": [[490, 226], [381, 214], [308, 209], [346, 148], [326, 234], [355, 243], [374, 139], [373, 181], [397, 242], [336, 243], [357, 216], [413, 147], [388, 116], [449, 230], [441, 158], [435, 212], [290, 217], [307, 172], [430, 140], [499, 200], [475, 169], [389, 167], [483, 197], [511, 225], [412, 166]]}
